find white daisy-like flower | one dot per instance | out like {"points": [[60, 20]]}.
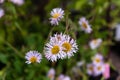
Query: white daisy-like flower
{"points": [[117, 33], [69, 46], [51, 74], [99, 69], [84, 25], [90, 69], [33, 56], [95, 43], [97, 59], [53, 50], [18, 2], [1, 12], [1, 1], [57, 15]]}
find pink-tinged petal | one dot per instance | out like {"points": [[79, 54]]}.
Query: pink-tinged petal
{"points": [[106, 73]]}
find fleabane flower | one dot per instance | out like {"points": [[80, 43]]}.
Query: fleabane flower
{"points": [[95, 70], [99, 69], [18, 2], [56, 16], [60, 46], [69, 46], [51, 74], [33, 57], [84, 25], [95, 43], [1, 12], [90, 69], [60, 77], [53, 50], [97, 59], [1, 1]]}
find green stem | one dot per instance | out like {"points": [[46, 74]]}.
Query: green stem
{"points": [[14, 49], [67, 25], [50, 33]]}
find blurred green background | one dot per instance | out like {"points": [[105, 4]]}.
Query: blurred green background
{"points": [[26, 27]]}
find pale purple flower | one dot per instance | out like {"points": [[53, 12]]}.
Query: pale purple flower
{"points": [[51, 74], [97, 59], [84, 25], [56, 16], [1, 12], [32, 57], [99, 69], [18, 2], [95, 43]]}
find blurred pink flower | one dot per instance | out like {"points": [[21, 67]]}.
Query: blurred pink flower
{"points": [[1, 1], [106, 73]]}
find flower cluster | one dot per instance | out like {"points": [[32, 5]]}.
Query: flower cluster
{"points": [[60, 46], [97, 66]]}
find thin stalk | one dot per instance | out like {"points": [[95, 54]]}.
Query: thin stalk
{"points": [[67, 25]]}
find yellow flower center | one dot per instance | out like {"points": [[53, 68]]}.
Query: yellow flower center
{"points": [[99, 68], [84, 25], [50, 76], [55, 49], [91, 68], [97, 60], [67, 47], [95, 41], [33, 59], [56, 15]]}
